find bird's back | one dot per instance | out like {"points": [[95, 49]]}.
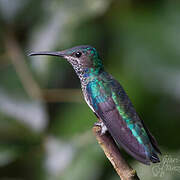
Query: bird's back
{"points": [[111, 104]]}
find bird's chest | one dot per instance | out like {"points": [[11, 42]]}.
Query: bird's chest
{"points": [[87, 97], [94, 93]]}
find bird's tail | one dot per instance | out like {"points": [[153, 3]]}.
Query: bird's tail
{"points": [[153, 156]]}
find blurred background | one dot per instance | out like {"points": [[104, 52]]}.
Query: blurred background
{"points": [[45, 125]]}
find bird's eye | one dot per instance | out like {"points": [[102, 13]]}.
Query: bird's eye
{"points": [[78, 54]]}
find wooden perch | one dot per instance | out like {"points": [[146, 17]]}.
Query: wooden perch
{"points": [[113, 154]]}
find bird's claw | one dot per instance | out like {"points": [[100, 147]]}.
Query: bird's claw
{"points": [[103, 127]]}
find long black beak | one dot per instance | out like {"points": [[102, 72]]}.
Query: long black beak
{"points": [[57, 53]]}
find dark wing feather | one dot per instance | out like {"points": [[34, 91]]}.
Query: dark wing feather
{"points": [[152, 138], [120, 132]]}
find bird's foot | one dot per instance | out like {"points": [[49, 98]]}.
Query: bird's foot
{"points": [[103, 127]]}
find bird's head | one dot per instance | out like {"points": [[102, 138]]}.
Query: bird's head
{"points": [[80, 57]]}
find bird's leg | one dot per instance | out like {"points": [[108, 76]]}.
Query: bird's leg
{"points": [[103, 127]]}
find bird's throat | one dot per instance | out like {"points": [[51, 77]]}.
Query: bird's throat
{"points": [[88, 74]]}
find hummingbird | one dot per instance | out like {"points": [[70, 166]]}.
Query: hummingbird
{"points": [[110, 103]]}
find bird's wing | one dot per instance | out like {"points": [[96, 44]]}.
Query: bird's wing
{"points": [[113, 107]]}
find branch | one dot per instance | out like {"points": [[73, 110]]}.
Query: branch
{"points": [[62, 95], [113, 154], [16, 56]]}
